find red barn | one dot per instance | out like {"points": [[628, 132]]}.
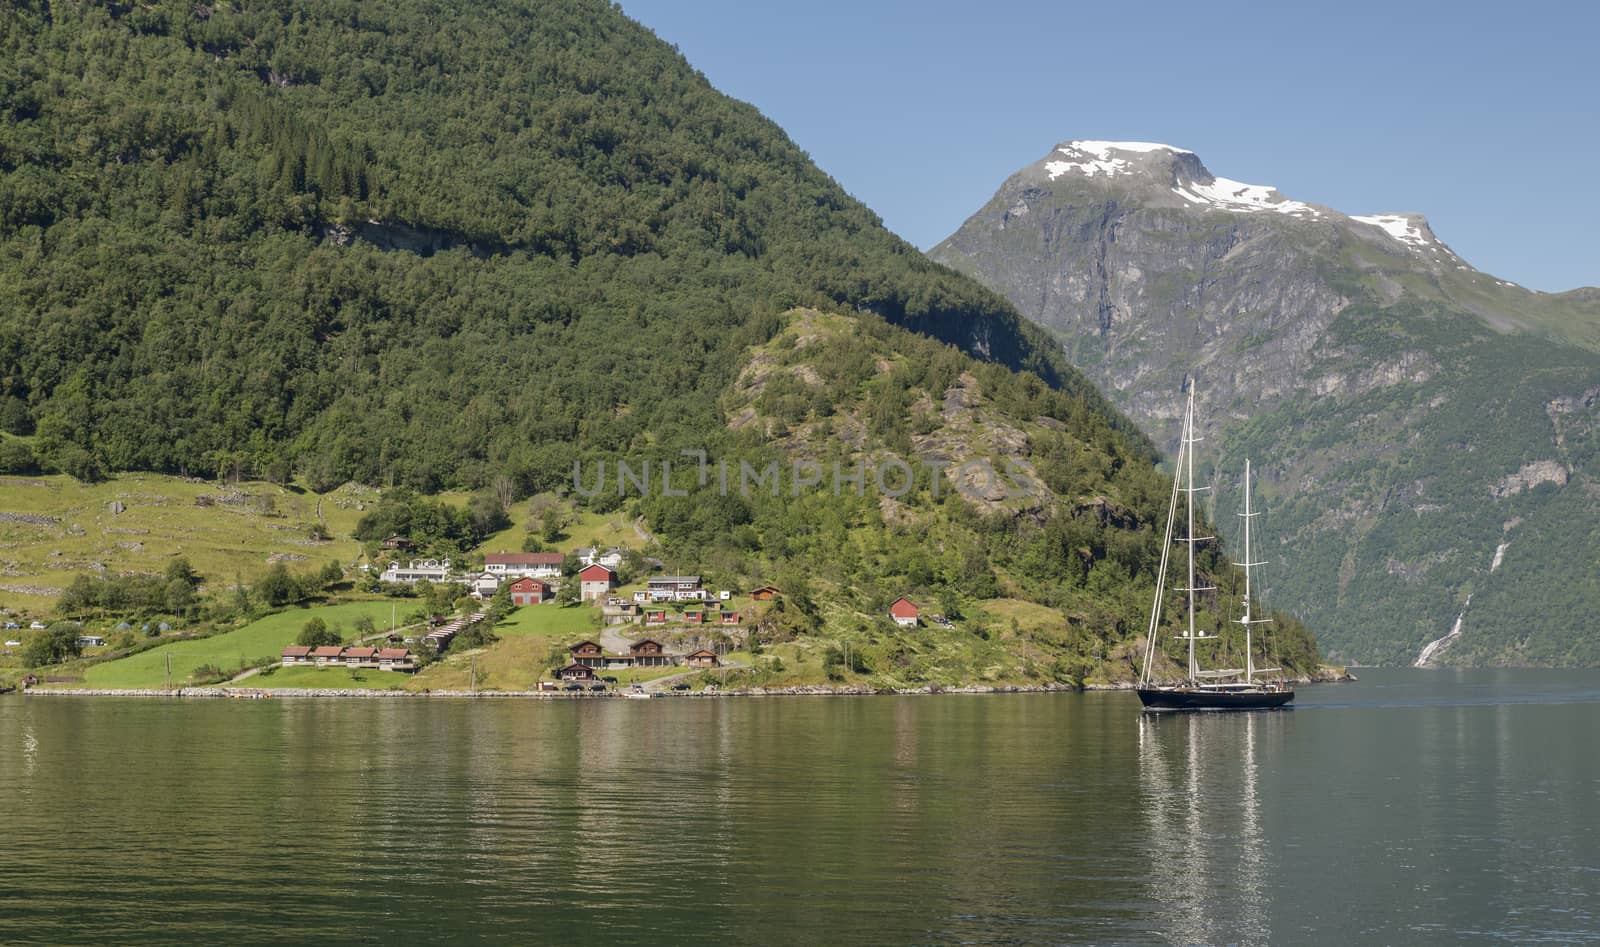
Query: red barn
{"points": [[529, 591], [595, 581], [904, 612]]}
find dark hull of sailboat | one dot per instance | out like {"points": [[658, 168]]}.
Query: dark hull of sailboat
{"points": [[1204, 698]]}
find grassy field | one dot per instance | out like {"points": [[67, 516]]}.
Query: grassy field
{"points": [[53, 528], [263, 638], [583, 529], [563, 621]]}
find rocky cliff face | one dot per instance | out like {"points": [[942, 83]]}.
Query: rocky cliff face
{"points": [[1398, 401]]}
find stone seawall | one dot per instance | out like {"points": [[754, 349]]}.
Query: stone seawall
{"points": [[249, 693]]}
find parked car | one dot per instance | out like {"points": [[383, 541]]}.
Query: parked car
{"points": [[573, 687], [609, 680], [680, 687], [597, 687]]}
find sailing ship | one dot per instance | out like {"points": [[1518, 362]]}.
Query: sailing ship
{"points": [[1222, 689]]}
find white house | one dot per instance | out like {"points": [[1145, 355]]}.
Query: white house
{"points": [[484, 584], [433, 570], [610, 558], [515, 565], [91, 641]]}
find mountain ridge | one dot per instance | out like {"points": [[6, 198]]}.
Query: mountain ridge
{"points": [[1360, 352]]}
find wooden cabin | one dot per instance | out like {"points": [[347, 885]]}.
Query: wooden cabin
{"points": [[648, 653], [576, 672], [704, 658], [588, 653]]}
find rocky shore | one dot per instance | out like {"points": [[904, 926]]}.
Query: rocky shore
{"points": [[257, 693]]}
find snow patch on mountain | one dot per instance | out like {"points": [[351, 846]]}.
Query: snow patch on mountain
{"points": [[1400, 228], [1239, 197], [1090, 158]]}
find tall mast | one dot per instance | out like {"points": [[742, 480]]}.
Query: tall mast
{"points": [[1249, 657], [1247, 621], [1186, 460], [1188, 443]]}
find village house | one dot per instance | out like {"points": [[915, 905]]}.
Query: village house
{"points": [[530, 591], [641, 597], [674, 588], [576, 672], [326, 655], [610, 558], [704, 658], [729, 618], [417, 570], [396, 659], [694, 616], [595, 581], [296, 654], [398, 542], [655, 616], [764, 594], [904, 612], [648, 653], [540, 565], [484, 584], [91, 641], [362, 657], [588, 654]]}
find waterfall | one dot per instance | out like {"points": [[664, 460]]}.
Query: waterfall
{"points": [[1434, 647]]}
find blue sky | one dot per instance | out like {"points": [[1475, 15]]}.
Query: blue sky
{"points": [[1484, 117]]}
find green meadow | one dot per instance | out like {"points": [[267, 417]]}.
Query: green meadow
{"points": [[54, 528], [263, 638]]}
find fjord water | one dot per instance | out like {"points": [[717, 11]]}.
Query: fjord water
{"points": [[1411, 807]]}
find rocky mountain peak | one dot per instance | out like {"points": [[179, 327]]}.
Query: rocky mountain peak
{"points": [[1168, 176], [1411, 405]]}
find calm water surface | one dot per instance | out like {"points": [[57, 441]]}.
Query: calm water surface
{"points": [[1415, 807]]}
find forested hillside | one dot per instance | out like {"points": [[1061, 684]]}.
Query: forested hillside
{"points": [[427, 246], [403, 242]]}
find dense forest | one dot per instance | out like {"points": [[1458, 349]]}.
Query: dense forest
{"points": [[404, 242], [427, 247]]}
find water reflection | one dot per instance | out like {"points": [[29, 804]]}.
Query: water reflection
{"points": [[1210, 867]]}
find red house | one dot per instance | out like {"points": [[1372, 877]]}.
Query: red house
{"points": [[730, 618], [904, 612], [595, 581], [529, 591], [655, 616], [694, 616], [396, 659], [360, 657], [327, 654]]}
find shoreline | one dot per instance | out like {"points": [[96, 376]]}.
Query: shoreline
{"points": [[293, 693]]}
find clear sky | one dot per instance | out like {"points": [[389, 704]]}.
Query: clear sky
{"points": [[1483, 116]]}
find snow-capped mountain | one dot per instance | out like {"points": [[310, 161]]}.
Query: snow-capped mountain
{"points": [[1410, 414]]}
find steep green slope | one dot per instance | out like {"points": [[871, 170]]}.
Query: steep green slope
{"points": [[417, 245], [982, 494], [403, 241]]}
